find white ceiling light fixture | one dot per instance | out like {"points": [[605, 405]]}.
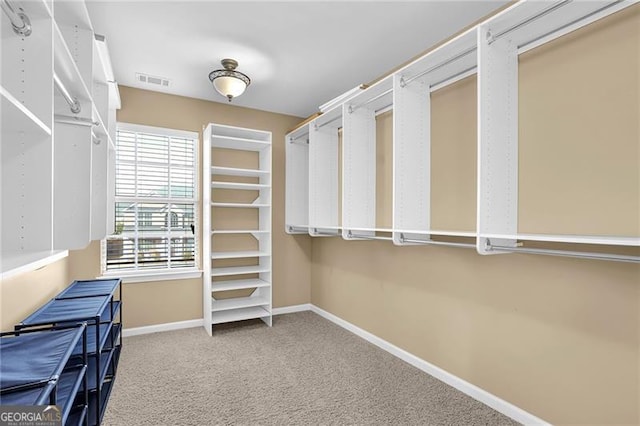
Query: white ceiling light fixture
{"points": [[229, 82]]}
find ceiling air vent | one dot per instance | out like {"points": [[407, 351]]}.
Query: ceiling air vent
{"points": [[152, 80]]}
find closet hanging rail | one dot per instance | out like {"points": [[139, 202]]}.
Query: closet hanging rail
{"points": [[19, 20], [548, 10], [405, 82], [318, 126], [78, 121], [74, 105], [456, 75], [566, 253], [353, 108], [367, 237], [297, 229], [327, 234], [436, 243], [575, 21], [295, 140]]}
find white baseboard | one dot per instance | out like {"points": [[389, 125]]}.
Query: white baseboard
{"points": [[463, 386], [291, 309], [136, 331]]}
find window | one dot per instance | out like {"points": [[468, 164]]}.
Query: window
{"points": [[155, 202]]}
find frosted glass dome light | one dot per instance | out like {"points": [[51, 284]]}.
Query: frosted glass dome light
{"points": [[229, 82]]}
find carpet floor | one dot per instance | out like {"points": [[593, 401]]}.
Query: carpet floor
{"points": [[303, 371]]}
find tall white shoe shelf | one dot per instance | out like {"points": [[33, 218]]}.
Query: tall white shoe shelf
{"points": [[236, 225]]}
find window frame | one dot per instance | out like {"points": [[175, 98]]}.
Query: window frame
{"points": [[159, 274]]}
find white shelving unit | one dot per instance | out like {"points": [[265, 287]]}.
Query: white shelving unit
{"points": [[491, 50], [297, 184], [412, 88], [219, 280], [324, 214], [359, 160], [55, 161]]}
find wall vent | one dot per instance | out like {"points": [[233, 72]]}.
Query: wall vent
{"points": [[153, 80]]}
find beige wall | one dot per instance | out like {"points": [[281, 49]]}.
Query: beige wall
{"points": [[557, 337], [23, 294], [181, 300]]}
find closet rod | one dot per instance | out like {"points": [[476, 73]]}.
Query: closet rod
{"points": [[297, 229], [74, 105], [368, 237], [96, 140], [530, 19], [436, 243], [304, 142], [328, 234], [404, 83], [575, 21], [453, 77], [567, 253], [78, 121], [19, 20], [317, 126], [353, 108], [292, 140]]}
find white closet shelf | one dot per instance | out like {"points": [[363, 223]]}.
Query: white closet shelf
{"points": [[233, 171], [239, 205], [239, 270], [230, 142], [236, 185], [218, 305], [546, 21], [238, 231], [455, 58], [578, 239], [17, 118], [239, 314], [238, 284], [73, 13], [18, 263], [238, 254]]}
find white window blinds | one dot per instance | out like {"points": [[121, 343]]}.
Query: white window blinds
{"points": [[155, 203]]}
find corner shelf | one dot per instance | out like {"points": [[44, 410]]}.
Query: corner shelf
{"points": [[224, 307]]}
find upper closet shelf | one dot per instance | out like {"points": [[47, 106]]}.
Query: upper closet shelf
{"points": [[238, 143], [73, 13], [377, 98], [529, 24], [232, 171], [15, 264], [16, 118], [237, 185], [446, 64]]}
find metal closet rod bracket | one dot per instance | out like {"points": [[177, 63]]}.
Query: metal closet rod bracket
{"points": [[19, 20], [563, 253]]}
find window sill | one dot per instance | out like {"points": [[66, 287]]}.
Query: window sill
{"points": [[151, 276]]}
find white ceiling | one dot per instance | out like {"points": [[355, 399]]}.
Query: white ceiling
{"points": [[298, 54]]}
